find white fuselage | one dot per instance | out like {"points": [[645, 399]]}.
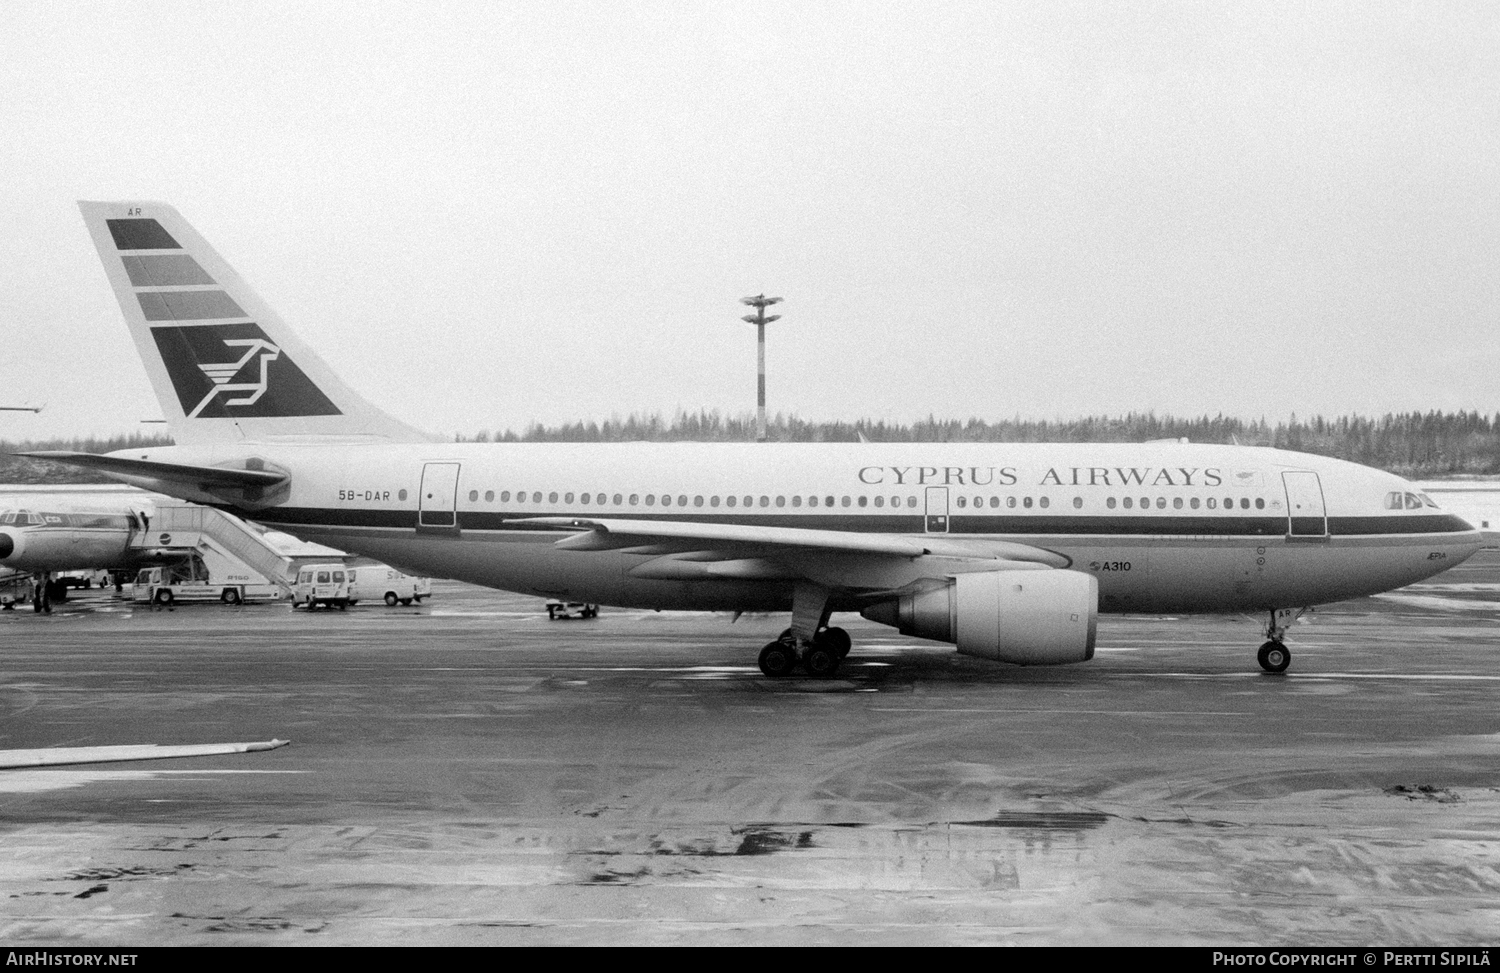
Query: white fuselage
{"points": [[1163, 527]]}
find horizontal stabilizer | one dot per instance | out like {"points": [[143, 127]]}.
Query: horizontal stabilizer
{"points": [[54, 756], [203, 476]]}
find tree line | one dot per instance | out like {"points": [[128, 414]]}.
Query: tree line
{"points": [[1413, 444]]}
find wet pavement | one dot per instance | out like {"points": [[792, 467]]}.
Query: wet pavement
{"points": [[466, 771]]}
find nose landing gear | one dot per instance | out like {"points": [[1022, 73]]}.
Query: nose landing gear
{"points": [[1274, 656]]}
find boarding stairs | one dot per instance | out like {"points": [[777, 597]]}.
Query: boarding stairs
{"points": [[185, 528]]}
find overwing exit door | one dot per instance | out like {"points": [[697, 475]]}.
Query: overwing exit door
{"points": [[438, 501], [937, 510]]}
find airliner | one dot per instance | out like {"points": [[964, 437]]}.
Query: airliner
{"points": [[1007, 550]]}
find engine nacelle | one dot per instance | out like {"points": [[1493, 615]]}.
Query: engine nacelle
{"points": [[1028, 618]]}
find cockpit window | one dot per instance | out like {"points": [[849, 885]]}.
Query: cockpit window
{"points": [[1413, 502], [1428, 501]]}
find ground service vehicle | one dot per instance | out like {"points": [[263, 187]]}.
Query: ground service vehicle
{"points": [[190, 578], [322, 584], [368, 582]]}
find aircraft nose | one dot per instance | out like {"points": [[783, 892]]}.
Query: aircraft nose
{"points": [[7, 545]]}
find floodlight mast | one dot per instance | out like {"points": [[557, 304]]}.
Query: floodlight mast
{"points": [[760, 302]]}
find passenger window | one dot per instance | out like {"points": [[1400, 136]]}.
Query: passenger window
{"points": [[401, 495], [634, 499], [1176, 503], [650, 499], [666, 500], [568, 498], [473, 495], [1145, 503], [731, 501], [845, 501], [583, 498], [489, 496], [781, 501], [960, 501], [1077, 503], [1110, 502], [697, 501], [765, 501], [1161, 503], [828, 501], [812, 501], [864, 501], [1260, 503], [1010, 501], [994, 501], [1128, 502], [749, 501], [1244, 503], [617, 500], [1044, 502], [1026, 502], [552, 497], [1212, 503], [536, 497], [1193, 503], [713, 501], [682, 500], [911, 501]]}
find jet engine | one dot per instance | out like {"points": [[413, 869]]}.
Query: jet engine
{"points": [[1027, 618]]}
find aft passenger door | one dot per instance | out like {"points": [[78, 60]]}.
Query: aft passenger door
{"points": [[937, 510], [1306, 515], [437, 502]]}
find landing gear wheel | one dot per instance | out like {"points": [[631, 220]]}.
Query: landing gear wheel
{"points": [[390, 599], [1274, 657], [821, 661], [778, 659], [836, 639]]}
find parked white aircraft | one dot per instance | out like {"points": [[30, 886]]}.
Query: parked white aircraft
{"points": [[1007, 550], [46, 529]]}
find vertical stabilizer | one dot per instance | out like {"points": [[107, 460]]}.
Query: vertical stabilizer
{"points": [[224, 366]]}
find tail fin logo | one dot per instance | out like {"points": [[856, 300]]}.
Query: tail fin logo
{"points": [[221, 374], [258, 380]]}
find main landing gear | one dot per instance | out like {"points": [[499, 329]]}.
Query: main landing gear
{"points": [[809, 642], [820, 658], [1274, 656]]}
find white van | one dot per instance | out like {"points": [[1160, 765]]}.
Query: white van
{"points": [[322, 584], [370, 581]]}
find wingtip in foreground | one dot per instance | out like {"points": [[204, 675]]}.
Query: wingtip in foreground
{"points": [[56, 756]]}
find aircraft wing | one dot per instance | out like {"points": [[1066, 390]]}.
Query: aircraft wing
{"points": [[845, 560], [57, 756], [196, 476]]}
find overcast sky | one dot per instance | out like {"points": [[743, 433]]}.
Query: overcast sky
{"points": [[485, 214]]}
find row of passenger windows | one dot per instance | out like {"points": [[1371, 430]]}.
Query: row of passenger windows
{"points": [[893, 502], [683, 500], [1177, 503]]}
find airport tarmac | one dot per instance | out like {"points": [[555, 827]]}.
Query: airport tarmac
{"points": [[467, 772]]}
